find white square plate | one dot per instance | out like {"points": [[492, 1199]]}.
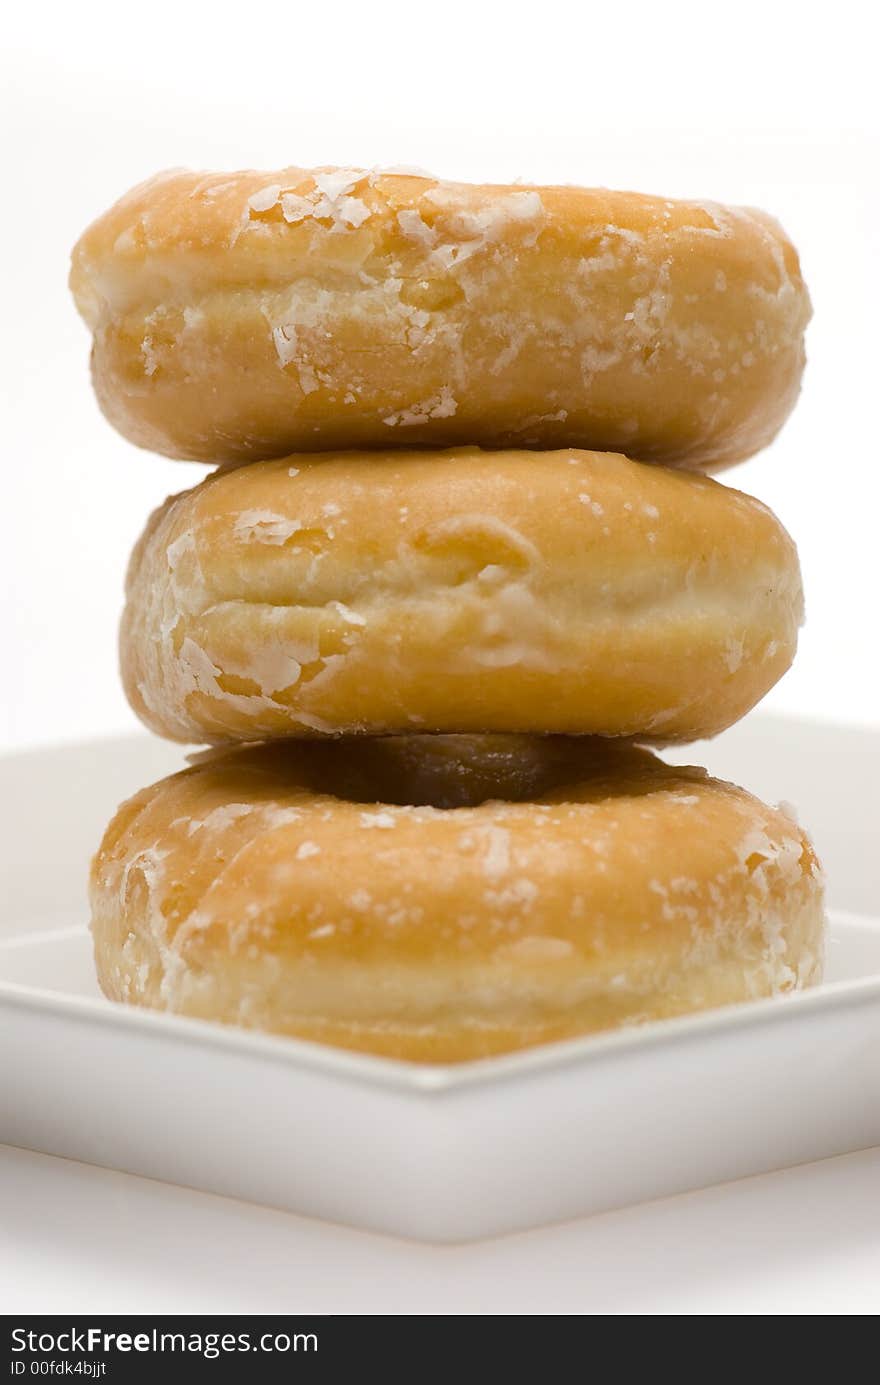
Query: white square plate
{"points": [[436, 1153]]}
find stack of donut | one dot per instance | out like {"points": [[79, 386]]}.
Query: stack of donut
{"points": [[456, 568]]}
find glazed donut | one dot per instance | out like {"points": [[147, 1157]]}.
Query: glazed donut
{"points": [[569, 592], [447, 898], [242, 316]]}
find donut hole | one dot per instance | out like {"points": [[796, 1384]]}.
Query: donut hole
{"points": [[452, 771], [445, 771]]}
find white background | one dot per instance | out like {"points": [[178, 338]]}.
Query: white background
{"points": [[741, 105], [760, 103]]}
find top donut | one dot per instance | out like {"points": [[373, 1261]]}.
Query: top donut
{"points": [[244, 316]]}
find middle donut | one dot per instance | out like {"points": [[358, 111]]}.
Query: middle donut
{"points": [[571, 591]]}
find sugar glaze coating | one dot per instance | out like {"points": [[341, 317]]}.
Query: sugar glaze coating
{"points": [[247, 315], [446, 898], [457, 591]]}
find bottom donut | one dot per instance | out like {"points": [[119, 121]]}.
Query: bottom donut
{"points": [[444, 898]]}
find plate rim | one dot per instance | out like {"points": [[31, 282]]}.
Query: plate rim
{"points": [[429, 1079]]}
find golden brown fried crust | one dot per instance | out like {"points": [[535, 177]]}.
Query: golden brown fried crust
{"points": [[461, 591], [445, 898], [247, 315]]}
